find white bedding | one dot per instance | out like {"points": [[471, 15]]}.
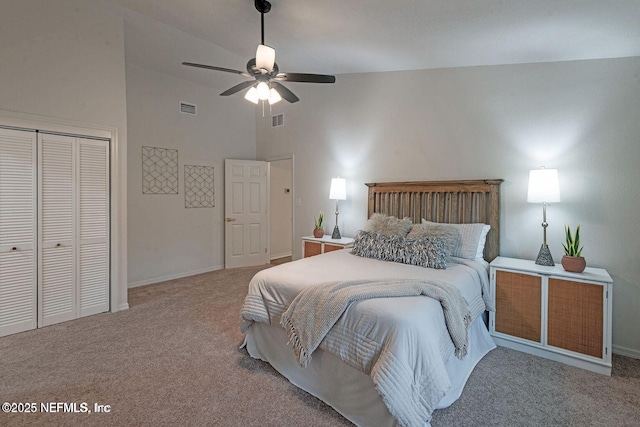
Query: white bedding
{"points": [[421, 344]]}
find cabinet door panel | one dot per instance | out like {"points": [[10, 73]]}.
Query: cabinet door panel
{"points": [[576, 316], [312, 248], [519, 305], [328, 247]]}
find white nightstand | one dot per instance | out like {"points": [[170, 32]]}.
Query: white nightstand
{"points": [[553, 313], [318, 245]]}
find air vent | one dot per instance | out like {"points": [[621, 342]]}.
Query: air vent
{"points": [[187, 108], [277, 120]]}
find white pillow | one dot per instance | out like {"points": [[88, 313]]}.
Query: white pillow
{"points": [[472, 239]]}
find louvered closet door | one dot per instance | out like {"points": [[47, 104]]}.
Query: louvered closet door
{"points": [[57, 267], [18, 286], [93, 226], [74, 228]]}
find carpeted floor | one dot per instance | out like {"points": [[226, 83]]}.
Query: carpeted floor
{"points": [[173, 359]]}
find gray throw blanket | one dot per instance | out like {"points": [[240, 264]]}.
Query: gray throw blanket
{"points": [[316, 309]]}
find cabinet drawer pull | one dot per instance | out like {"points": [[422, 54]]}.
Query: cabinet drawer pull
{"points": [[58, 245], [14, 248]]}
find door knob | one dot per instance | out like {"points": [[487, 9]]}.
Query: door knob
{"points": [[230, 219]]}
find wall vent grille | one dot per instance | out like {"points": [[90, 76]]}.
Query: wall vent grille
{"points": [[277, 120], [187, 108]]}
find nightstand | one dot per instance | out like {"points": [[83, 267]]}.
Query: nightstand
{"points": [[318, 245], [553, 313]]}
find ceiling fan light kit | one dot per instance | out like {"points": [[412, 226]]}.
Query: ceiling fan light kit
{"points": [[252, 95], [265, 72]]}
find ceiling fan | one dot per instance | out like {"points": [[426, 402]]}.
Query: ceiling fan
{"points": [[266, 75]]}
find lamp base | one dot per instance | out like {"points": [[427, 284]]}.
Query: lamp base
{"points": [[336, 233], [544, 256]]}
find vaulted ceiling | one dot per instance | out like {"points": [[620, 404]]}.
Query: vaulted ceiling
{"points": [[354, 36]]}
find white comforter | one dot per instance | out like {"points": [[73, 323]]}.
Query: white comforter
{"points": [[402, 343]]}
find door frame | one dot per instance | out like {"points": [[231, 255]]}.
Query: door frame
{"points": [[293, 199]]}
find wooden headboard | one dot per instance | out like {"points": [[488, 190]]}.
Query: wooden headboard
{"points": [[456, 202]]}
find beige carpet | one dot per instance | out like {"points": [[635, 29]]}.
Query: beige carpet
{"points": [[173, 359]]}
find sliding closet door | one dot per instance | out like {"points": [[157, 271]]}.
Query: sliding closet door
{"points": [[93, 226], [57, 268], [18, 286]]}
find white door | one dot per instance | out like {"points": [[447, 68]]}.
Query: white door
{"points": [[93, 227], [57, 244], [18, 286], [73, 262], [246, 210]]}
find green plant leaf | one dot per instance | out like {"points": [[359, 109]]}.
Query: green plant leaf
{"points": [[572, 243]]}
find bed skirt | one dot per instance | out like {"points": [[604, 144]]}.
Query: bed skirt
{"points": [[346, 389]]}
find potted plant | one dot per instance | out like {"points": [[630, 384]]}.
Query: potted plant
{"points": [[572, 260], [318, 231]]}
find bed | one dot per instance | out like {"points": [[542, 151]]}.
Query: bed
{"points": [[385, 361]]}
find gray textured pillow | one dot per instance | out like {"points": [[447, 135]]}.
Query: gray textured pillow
{"points": [[450, 235], [423, 251], [388, 225]]}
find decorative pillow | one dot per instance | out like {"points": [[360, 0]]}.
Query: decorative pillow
{"points": [[450, 235], [424, 251], [472, 238], [388, 225]]}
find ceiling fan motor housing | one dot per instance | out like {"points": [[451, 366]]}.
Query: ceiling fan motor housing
{"points": [[259, 72]]}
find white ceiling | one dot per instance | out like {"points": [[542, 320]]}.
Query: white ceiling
{"points": [[354, 36]]}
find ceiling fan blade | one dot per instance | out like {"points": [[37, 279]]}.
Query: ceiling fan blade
{"points": [[237, 88], [285, 93], [305, 78], [211, 67]]}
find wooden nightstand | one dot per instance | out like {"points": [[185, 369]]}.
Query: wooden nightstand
{"points": [[552, 313], [318, 245]]}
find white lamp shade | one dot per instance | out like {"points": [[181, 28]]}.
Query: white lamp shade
{"points": [[338, 190], [263, 91], [274, 96], [543, 186], [265, 57], [252, 95]]}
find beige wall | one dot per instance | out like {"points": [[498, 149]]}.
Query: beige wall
{"points": [[63, 62], [582, 117], [167, 240]]}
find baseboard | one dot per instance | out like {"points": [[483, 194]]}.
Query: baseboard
{"points": [[276, 256], [624, 351], [123, 307], [174, 276]]}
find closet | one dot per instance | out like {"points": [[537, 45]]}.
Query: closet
{"points": [[54, 228]]}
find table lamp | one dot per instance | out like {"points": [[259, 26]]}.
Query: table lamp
{"points": [[544, 188], [337, 192]]}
